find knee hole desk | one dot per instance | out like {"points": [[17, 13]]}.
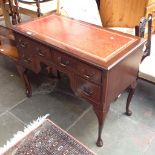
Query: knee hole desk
{"points": [[100, 63]]}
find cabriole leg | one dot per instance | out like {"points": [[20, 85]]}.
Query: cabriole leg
{"points": [[101, 115], [23, 73], [131, 93]]}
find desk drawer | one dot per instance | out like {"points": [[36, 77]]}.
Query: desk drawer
{"points": [[30, 46], [86, 71], [89, 72], [88, 90], [42, 52], [26, 52], [32, 53], [64, 61]]}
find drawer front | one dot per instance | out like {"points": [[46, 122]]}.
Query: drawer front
{"points": [[32, 52], [89, 72], [64, 61], [88, 90], [26, 52], [42, 52]]}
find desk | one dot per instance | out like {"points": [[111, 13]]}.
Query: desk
{"points": [[100, 63]]}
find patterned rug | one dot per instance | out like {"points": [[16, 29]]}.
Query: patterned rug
{"points": [[48, 139]]}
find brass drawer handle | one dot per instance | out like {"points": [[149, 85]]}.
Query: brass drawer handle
{"points": [[41, 54], [88, 76], [28, 60], [22, 45], [63, 64], [87, 92]]}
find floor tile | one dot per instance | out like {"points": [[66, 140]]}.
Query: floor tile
{"points": [[121, 134], [11, 85], [63, 109], [142, 104], [151, 149], [9, 125]]}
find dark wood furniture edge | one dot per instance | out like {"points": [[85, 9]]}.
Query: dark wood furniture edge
{"points": [[102, 106]]}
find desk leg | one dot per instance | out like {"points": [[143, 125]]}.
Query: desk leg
{"points": [[101, 115], [23, 73], [131, 93]]}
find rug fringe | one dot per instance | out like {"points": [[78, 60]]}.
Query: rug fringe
{"points": [[21, 134]]}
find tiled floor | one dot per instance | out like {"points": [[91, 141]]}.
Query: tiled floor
{"points": [[122, 135]]}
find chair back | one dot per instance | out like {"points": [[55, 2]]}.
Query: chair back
{"points": [[145, 24], [14, 10], [37, 2]]}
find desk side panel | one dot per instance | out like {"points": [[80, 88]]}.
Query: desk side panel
{"points": [[123, 74]]}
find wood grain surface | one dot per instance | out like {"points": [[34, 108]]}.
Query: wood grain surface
{"points": [[125, 13]]}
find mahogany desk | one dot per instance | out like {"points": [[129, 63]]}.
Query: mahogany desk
{"points": [[100, 63]]}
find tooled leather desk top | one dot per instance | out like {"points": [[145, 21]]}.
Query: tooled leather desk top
{"points": [[91, 43]]}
